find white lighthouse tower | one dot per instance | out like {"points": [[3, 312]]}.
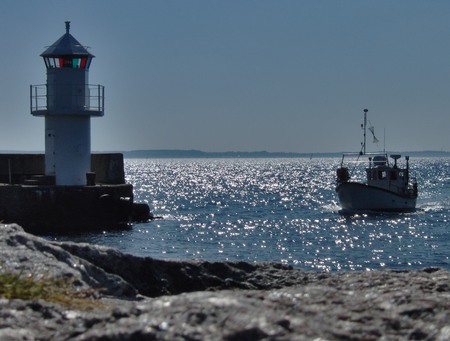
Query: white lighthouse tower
{"points": [[67, 102]]}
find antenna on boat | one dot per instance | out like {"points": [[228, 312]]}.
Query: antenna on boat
{"points": [[364, 127]]}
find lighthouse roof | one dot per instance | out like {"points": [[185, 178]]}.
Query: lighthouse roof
{"points": [[67, 45]]}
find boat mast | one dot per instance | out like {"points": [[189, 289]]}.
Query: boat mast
{"points": [[364, 128]]}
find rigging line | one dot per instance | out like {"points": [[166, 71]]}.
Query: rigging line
{"points": [[354, 166], [356, 162]]}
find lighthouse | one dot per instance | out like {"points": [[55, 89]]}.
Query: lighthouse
{"points": [[67, 188], [67, 102]]}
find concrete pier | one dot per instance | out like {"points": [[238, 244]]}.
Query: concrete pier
{"points": [[32, 200], [16, 168]]}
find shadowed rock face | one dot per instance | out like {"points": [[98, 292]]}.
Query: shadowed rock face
{"points": [[148, 299]]}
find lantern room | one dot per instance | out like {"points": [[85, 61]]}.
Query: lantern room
{"points": [[68, 62], [67, 52]]}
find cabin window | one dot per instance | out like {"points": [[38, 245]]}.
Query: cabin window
{"points": [[382, 175]]}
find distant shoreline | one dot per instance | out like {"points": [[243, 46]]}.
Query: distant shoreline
{"points": [[198, 154]]}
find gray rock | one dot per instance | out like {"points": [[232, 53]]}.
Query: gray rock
{"points": [[148, 299], [153, 278], [23, 252]]}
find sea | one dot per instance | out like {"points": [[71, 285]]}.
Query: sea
{"points": [[279, 210]]}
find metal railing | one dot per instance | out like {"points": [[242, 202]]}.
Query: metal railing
{"points": [[38, 97], [94, 99]]}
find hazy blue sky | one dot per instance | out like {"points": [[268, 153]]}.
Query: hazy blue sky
{"points": [[239, 75]]}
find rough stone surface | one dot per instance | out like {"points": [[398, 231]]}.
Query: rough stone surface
{"points": [[148, 299]]}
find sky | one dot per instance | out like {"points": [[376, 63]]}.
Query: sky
{"points": [[240, 75]]}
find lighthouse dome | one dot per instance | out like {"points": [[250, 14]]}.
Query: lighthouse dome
{"points": [[67, 52]]}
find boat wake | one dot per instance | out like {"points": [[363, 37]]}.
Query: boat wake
{"points": [[434, 206], [347, 212]]}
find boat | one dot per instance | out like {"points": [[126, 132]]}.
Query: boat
{"points": [[388, 186]]}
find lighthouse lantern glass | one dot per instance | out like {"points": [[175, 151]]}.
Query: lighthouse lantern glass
{"points": [[67, 62]]}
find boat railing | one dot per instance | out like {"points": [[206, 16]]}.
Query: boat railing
{"points": [[412, 186], [351, 161], [360, 158], [396, 188], [409, 188]]}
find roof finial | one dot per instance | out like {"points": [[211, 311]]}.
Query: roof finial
{"points": [[67, 26]]}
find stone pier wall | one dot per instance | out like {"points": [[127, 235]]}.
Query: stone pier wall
{"points": [[58, 209], [16, 168]]}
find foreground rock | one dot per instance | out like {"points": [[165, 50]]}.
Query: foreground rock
{"points": [[147, 299]]}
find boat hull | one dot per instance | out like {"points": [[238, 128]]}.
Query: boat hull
{"points": [[361, 197]]}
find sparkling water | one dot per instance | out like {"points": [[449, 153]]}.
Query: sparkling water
{"points": [[281, 210]]}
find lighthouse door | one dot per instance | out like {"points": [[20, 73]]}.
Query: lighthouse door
{"points": [[50, 168]]}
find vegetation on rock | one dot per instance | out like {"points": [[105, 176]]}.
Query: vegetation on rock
{"points": [[61, 291]]}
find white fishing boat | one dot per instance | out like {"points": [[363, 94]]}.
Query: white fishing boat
{"points": [[388, 187]]}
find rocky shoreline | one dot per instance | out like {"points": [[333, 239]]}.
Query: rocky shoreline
{"points": [[137, 298]]}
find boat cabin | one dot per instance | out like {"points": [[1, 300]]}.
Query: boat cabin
{"points": [[381, 174]]}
